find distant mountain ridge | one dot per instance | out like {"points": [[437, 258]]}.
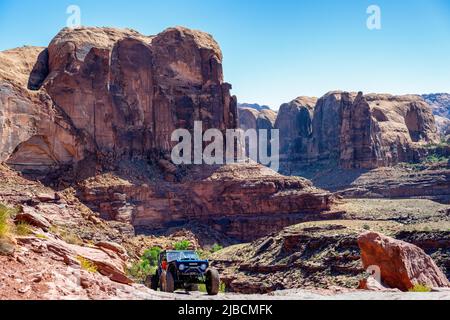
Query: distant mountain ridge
{"points": [[440, 104]]}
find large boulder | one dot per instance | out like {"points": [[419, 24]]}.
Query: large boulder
{"points": [[402, 265]]}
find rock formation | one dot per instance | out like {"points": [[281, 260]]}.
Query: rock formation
{"points": [[440, 103], [103, 100], [294, 121], [402, 265], [113, 94], [252, 119], [354, 130], [254, 106], [235, 200]]}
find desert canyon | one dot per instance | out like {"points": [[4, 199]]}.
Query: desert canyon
{"points": [[85, 168]]}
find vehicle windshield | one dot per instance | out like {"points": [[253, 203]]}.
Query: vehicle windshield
{"points": [[182, 255]]}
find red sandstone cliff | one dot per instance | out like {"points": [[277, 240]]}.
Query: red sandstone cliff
{"points": [[110, 93], [356, 130], [103, 100]]}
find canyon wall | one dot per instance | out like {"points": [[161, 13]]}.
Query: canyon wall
{"points": [[353, 130], [121, 93], [96, 109]]}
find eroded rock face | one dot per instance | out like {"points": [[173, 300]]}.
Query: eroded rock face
{"points": [[247, 118], [295, 124], [129, 92], [105, 100], [440, 104], [109, 93], [236, 200], [354, 130], [34, 133], [253, 119], [402, 265]]}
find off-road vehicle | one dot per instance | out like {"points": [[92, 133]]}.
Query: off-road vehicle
{"points": [[183, 269]]}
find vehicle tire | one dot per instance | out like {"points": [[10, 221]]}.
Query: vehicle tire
{"points": [[192, 287], [152, 281], [212, 282], [162, 281], [170, 283]]}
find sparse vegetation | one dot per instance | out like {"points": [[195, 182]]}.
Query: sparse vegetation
{"points": [[420, 288], [182, 245], [67, 236], [443, 143], [146, 265], [366, 227], [6, 216], [434, 158], [216, 247], [222, 288], [4, 221], [87, 264], [23, 229]]}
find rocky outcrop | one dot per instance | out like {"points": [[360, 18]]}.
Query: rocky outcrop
{"points": [[250, 118], [294, 121], [354, 130], [30, 121], [325, 254], [102, 99], [402, 265], [30, 216], [234, 199], [309, 255], [110, 93], [106, 262], [247, 118], [427, 181], [253, 119], [440, 104]]}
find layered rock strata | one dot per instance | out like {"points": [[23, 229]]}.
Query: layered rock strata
{"points": [[353, 130]]}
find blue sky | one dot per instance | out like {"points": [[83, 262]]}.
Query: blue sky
{"points": [[273, 50]]}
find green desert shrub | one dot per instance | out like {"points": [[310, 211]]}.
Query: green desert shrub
{"points": [[66, 235], [182, 245], [420, 288], [23, 229], [222, 287], [5, 221], [146, 266], [216, 247]]}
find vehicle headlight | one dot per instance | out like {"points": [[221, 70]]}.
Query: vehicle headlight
{"points": [[203, 266], [181, 267]]}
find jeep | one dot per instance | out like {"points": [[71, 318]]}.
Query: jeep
{"points": [[183, 269]]}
